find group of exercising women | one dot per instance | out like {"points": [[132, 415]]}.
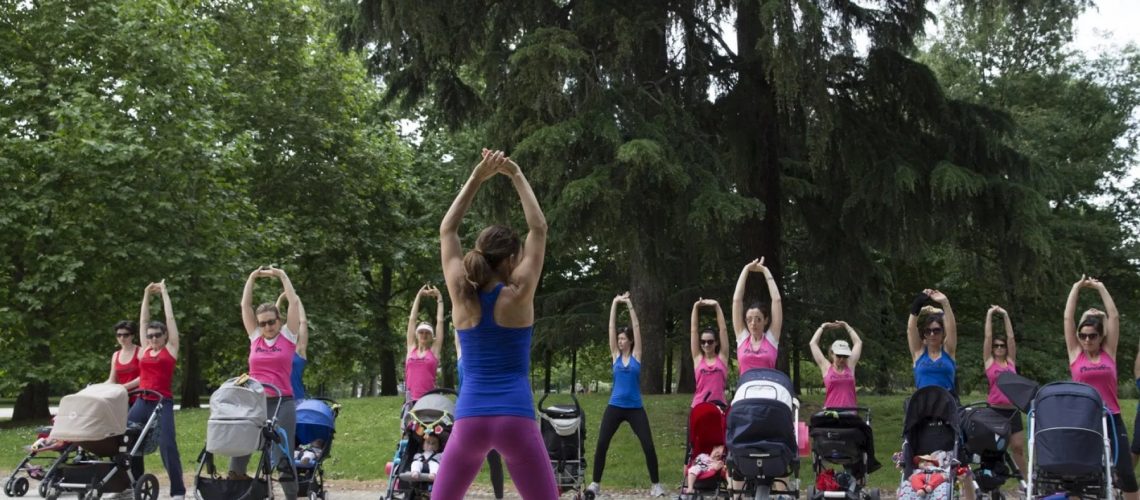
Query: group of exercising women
{"points": [[277, 356], [492, 288]]}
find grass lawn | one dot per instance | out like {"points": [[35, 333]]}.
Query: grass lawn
{"points": [[368, 429]]}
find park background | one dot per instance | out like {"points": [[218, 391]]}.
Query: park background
{"points": [[866, 150]]}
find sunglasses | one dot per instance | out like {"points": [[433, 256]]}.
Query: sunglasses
{"points": [[269, 322], [122, 335], [999, 346], [154, 335], [840, 356], [932, 331], [1087, 336], [708, 342]]}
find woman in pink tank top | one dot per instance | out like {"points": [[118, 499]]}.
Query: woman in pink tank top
{"points": [[1091, 346], [838, 372], [1000, 356], [424, 347], [710, 357], [757, 327], [272, 345]]}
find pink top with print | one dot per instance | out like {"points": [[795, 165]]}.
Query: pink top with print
{"points": [[1101, 376], [763, 356], [271, 362], [711, 378], [996, 397]]}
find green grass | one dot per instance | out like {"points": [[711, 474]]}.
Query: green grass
{"points": [[368, 429]]}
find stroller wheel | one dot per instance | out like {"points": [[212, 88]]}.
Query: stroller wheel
{"points": [[588, 495], [43, 489], [52, 493], [16, 487], [92, 494], [146, 488]]}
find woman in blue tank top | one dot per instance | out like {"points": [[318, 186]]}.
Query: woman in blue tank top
{"points": [[625, 399], [492, 291], [932, 335]]}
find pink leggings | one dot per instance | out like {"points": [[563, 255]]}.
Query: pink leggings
{"points": [[516, 438]]}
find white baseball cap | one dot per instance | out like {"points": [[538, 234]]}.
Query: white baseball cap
{"points": [[840, 348]]}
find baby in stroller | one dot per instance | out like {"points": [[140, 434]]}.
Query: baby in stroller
{"points": [[426, 463], [928, 473], [310, 453], [705, 466]]}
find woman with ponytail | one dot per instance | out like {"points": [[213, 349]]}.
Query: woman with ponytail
{"points": [[492, 289]]}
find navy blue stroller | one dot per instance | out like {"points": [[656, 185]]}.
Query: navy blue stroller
{"points": [[763, 444], [1069, 433], [316, 427]]}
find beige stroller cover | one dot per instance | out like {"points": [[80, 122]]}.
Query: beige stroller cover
{"points": [[97, 412]]}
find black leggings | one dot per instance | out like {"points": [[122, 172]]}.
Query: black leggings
{"points": [[639, 421], [495, 463]]}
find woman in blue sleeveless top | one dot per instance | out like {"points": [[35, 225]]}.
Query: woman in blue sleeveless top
{"points": [[625, 399], [492, 291], [932, 335], [301, 354]]}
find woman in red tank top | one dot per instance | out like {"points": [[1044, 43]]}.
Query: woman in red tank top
{"points": [[156, 373], [125, 361]]}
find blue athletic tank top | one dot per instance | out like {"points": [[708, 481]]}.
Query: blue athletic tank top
{"points": [[297, 378], [459, 375], [940, 372], [496, 366], [627, 384]]}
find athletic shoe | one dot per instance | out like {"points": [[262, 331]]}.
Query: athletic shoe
{"points": [[594, 488], [657, 490]]}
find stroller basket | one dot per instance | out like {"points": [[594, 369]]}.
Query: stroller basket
{"points": [[236, 489]]}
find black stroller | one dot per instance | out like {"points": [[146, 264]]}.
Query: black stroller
{"points": [[95, 420], [762, 436], [239, 425], [931, 427], [842, 436], [986, 433], [1069, 437], [564, 434]]}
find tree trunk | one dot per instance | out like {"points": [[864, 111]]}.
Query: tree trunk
{"points": [[754, 138], [647, 289], [32, 403], [668, 370], [546, 362], [191, 370], [387, 355], [574, 371], [686, 381]]}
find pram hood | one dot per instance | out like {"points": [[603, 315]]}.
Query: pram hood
{"points": [[433, 407], [97, 412], [706, 427], [978, 420], [754, 421], [764, 383], [245, 401], [931, 402], [564, 419], [1068, 428], [1019, 390], [315, 420]]}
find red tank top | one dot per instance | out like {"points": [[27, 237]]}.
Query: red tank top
{"points": [[156, 372], [126, 372]]}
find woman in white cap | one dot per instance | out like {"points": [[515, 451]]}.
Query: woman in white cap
{"points": [[838, 372], [423, 346]]}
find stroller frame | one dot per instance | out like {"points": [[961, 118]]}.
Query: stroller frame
{"points": [[144, 487], [17, 484], [764, 487], [719, 484], [311, 479], [1086, 490], [569, 473], [861, 492], [406, 450], [987, 461], [943, 413], [260, 486]]}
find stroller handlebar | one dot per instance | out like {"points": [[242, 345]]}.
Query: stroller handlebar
{"points": [[572, 396]]}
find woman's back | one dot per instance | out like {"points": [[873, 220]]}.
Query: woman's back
{"points": [[496, 366]]}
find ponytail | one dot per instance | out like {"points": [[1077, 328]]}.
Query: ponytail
{"points": [[477, 270]]}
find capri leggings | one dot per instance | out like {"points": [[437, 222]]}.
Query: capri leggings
{"points": [[516, 438], [639, 422]]}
